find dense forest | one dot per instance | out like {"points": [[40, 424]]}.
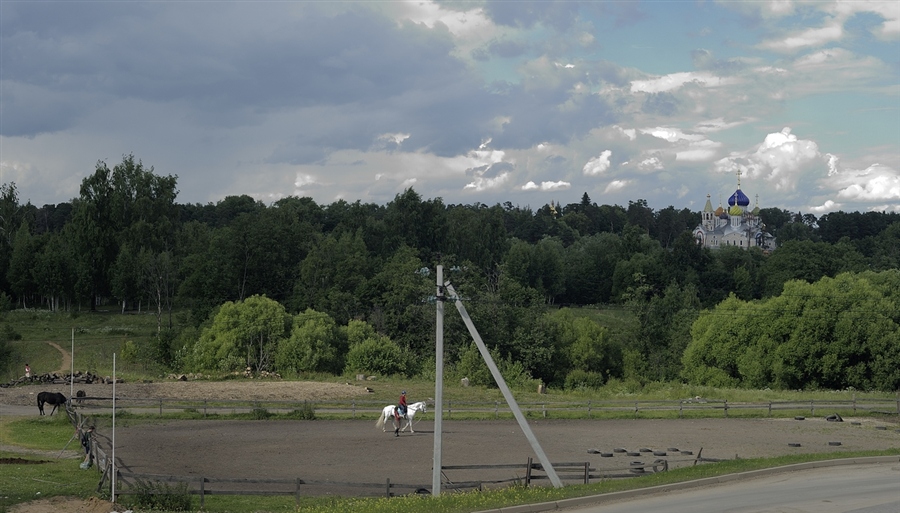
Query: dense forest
{"points": [[296, 287]]}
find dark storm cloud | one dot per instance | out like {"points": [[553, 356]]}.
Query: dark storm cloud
{"points": [[366, 72], [552, 116]]}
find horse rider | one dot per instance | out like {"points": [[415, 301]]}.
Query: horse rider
{"points": [[400, 411], [401, 405]]}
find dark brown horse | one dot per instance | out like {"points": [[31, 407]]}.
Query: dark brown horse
{"points": [[54, 398]]}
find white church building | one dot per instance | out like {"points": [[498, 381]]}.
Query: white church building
{"points": [[738, 225]]}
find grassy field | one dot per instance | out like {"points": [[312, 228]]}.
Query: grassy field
{"points": [[97, 336], [46, 476]]}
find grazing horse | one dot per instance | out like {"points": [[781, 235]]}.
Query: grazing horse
{"points": [[54, 398], [390, 412]]}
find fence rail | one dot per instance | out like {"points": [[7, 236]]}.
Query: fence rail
{"points": [[294, 486], [499, 409]]}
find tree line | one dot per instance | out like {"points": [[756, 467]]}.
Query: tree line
{"points": [[321, 270]]}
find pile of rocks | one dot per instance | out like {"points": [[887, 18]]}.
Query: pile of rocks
{"points": [[57, 379]]}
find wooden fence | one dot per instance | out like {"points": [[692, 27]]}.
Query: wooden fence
{"points": [[130, 483], [497, 409]]}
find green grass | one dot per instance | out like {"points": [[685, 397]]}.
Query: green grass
{"points": [[49, 478], [44, 432], [99, 335]]}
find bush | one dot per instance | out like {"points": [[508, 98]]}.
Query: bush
{"points": [[375, 356], [578, 379], [305, 412], [162, 496], [260, 414]]}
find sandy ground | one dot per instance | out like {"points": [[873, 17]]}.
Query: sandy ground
{"points": [[355, 451]]}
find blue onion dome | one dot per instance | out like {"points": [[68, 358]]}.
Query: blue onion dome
{"points": [[735, 210], [722, 214], [739, 198]]}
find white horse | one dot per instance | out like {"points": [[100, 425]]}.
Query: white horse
{"points": [[388, 413]]}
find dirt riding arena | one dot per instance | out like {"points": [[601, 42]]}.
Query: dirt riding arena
{"points": [[355, 451]]}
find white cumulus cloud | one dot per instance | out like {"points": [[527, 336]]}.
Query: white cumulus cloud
{"points": [[597, 165], [780, 159], [616, 185], [546, 186], [875, 183], [674, 81]]}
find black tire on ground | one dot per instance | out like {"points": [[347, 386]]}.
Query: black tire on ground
{"points": [[619, 449], [659, 453], [799, 418], [834, 444], [793, 445], [633, 454], [606, 455]]}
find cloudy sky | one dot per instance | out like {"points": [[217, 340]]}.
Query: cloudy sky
{"points": [[470, 101]]}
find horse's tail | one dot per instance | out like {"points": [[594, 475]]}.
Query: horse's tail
{"points": [[380, 422]]}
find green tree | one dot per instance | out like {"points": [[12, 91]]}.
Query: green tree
{"points": [[19, 274], [315, 344], [835, 333], [242, 334], [372, 353], [333, 277], [397, 295]]}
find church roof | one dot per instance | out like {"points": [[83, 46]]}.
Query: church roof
{"points": [[739, 198]]}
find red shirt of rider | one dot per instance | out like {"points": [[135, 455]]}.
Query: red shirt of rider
{"points": [[401, 404]]}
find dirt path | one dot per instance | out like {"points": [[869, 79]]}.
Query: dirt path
{"points": [[66, 365]]}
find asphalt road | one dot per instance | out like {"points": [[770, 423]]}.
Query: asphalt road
{"points": [[868, 488]]}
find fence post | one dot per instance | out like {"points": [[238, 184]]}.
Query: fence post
{"points": [[812, 408], [726, 408], [297, 491], [353, 408], [449, 408], [387, 489], [854, 402], [587, 472], [204, 408], [528, 472], [544, 409], [202, 492], [635, 409], [681, 409], [770, 408], [589, 409], [497, 409], [160, 406]]}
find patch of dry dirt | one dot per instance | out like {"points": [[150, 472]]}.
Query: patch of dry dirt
{"points": [[248, 390], [66, 504]]}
